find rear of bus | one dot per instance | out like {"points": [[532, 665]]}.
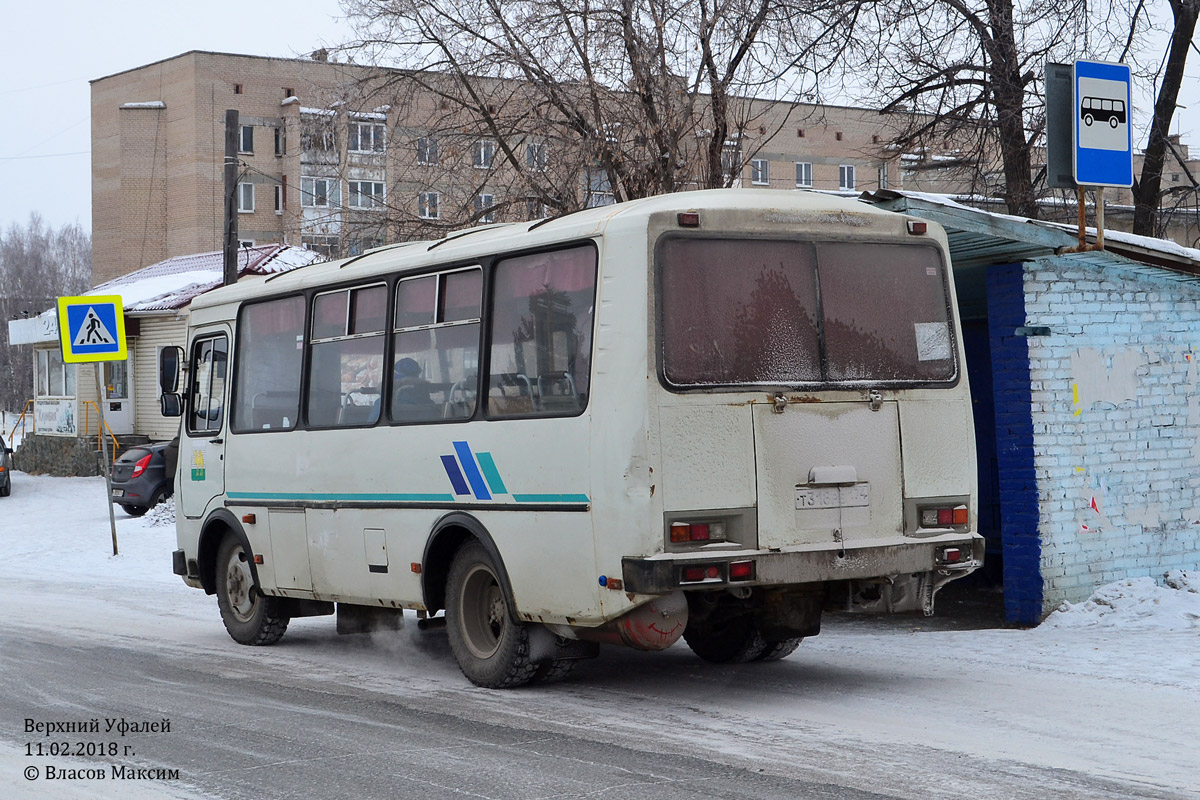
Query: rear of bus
{"points": [[814, 433]]}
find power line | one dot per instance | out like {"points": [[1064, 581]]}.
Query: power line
{"points": [[48, 155]]}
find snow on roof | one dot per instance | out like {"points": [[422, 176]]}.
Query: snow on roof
{"points": [[174, 283]]}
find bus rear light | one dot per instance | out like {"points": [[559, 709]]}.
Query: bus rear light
{"points": [[697, 532], [741, 571], [689, 219], [700, 574], [950, 555], [917, 228], [944, 517]]}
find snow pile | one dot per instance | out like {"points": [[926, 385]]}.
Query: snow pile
{"points": [[1137, 603], [162, 515]]}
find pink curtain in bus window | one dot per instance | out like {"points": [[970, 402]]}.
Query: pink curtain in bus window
{"points": [[563, 271], [279, 316]]}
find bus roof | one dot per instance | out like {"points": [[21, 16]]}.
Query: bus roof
{"points": [[587, 223]]}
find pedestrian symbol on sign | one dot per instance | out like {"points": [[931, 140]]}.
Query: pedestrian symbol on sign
{"points": [[93, 331]]}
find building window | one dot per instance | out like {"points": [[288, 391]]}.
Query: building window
{"points": [[246, 139], [366, 137], [804, 174], [317, 134], [245, 198], [280, 142], [599, 189], [366, 194], [731, 159], [55, 379], [278, 199], [485, 153], [483, 204], [536, 156], [883, 176], [428, 205], [237, 88], [536, 209], [838, 136], [799, 133], [328, 246], [846, 177], [288, 92], [427, 150], [318, 192], [760, 172]]}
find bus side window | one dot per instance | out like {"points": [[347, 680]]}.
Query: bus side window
{"points": [[542, 334], [270, 350]]}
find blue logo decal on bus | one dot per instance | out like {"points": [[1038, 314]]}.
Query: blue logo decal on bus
{"points": [[473, 473]]}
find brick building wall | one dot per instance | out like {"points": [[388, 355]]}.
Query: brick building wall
{"points": [[1115, 412]]}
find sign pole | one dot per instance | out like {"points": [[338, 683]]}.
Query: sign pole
{"points": [[91, 328], [112, 517]]}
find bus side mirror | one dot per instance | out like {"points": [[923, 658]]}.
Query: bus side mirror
{"points": [[171, 405], [169, 359]]}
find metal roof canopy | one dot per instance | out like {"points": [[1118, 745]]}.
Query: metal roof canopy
{"points": [[979, 239]]}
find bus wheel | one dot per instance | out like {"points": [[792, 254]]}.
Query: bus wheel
{"points": [[728, 639], [491, 648], [250, 616], [777, 650]]}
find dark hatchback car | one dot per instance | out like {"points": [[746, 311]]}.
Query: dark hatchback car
{"points": [[144, 476]]}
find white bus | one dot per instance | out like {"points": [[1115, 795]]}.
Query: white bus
{"points": [[709, 415]]}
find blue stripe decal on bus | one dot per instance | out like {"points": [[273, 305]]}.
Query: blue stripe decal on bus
{"points": [[550, 498], [488, 465], [455, 476], [467, 462]]}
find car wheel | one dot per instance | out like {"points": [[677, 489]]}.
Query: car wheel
{"points": [[6, 490], [134, 511], [159, 496], [250, 616], [491, 648]]}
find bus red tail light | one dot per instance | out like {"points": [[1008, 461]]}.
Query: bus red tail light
{"points": [[700, 573], [697, 532], [944, 517], [741, 571], [141, 465]]}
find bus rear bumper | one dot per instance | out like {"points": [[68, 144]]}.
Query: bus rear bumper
{"points": [[949, 556]]}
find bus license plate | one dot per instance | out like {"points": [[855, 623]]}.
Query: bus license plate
{"points": [[857, 495]]}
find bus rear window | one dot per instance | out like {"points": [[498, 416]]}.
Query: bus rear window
{"points": [[787, 312]]}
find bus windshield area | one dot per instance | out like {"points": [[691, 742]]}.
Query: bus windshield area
{"points": [[789, 312]]}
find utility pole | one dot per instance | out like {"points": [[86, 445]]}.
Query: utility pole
{"points": [[230, 245]]}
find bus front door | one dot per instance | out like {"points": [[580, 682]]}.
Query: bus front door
{"points": [[202, 451]]}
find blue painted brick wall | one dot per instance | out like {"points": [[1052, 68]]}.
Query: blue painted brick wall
{"points": [[1115, 411], [1019, 512]]}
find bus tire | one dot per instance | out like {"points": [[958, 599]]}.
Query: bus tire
{"points": [[777, 650], [491, 648], [553, 671], [727, 640], [252, 618]]}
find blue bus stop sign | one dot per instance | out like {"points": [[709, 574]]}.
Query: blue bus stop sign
{"points": [[1103, 126]]}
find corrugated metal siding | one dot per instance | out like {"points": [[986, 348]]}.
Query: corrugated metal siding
{"points": [[156, 332]]}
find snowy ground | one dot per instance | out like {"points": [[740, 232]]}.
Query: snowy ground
{"points": [[1109, 688]]}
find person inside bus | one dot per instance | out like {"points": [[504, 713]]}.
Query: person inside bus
{"points": [[409, 388]]}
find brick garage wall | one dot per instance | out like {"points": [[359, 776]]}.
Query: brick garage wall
{"points": [[1115, 409]]}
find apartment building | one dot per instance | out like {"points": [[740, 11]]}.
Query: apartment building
{"points": [[341, 157]]}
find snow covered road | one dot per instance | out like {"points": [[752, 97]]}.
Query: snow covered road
{"points": [[1101, 702]]}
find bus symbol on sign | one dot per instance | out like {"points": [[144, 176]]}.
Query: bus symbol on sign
{"points": [[1093, 108]]}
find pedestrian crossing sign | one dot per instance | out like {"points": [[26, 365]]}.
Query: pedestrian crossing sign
{"points": [[91, 328]]}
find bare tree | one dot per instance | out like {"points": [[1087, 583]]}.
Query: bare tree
{"points": [[970, 70], [37, 265], [632, 97], [1147, 188]]}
